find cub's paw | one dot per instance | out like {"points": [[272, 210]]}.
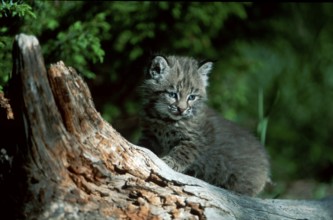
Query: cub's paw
{"points": [[172, 163]]}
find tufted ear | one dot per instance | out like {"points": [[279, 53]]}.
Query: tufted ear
{"points": [[204, 70], [159, 67]]}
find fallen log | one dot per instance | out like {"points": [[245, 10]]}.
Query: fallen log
{"points": [[66, 162]]}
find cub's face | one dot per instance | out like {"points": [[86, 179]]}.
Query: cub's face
{"points": [[176, 86]]}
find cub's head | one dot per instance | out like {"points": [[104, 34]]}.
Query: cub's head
{"points": [[175, 87]]}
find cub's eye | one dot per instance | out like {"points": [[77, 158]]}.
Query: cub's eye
{"points": [[172, 95], [191, 97]]}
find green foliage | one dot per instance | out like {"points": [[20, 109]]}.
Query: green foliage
{"points": [[13, 9], [78, 43], [81, 43], [273, 72]]}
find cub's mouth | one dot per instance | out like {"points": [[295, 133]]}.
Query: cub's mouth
{"points": [[178, 115]]}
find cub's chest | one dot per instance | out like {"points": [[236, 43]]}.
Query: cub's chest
{"points": [[167, 136]]}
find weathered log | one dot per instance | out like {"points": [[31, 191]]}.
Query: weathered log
{"points": [[71, 164]]}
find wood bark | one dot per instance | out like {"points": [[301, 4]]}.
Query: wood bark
{"points": [[66, 162]]}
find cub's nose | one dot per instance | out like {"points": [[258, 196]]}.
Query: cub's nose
{"points": [[181, 110]]}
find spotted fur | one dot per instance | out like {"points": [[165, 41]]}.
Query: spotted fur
{"points": [[190, 137]]}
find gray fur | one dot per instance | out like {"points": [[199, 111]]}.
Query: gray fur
{"points": [[190, 137]]}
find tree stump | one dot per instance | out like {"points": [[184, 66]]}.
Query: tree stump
{"points": [[61, 160]]}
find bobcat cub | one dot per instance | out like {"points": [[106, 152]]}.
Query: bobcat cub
{"points": [[191, 138]]}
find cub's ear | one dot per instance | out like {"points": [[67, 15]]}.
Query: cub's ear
{"points": [[158, 67], [204, 69]]}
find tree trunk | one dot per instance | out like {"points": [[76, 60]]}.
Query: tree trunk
{"points": [[61, 160]]}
